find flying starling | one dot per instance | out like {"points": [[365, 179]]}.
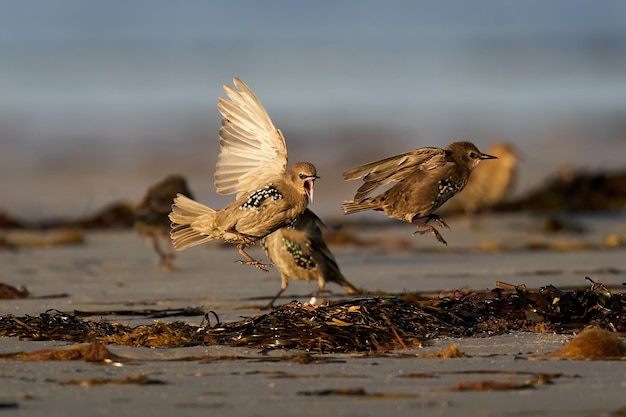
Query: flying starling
{"points": [[424, 179], [151, 216], [300, 253], [252, 163]]}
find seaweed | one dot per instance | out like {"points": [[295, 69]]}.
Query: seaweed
{"points": [[374, 324]]}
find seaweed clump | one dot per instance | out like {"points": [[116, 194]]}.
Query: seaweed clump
{"points": [[367, 324]]}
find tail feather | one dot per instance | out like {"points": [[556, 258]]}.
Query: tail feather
{"points": [[331, 271], [352, 206], [348, 288], [185, 211]]}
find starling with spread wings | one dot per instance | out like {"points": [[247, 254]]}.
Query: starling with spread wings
{"points": [[252, 163]]}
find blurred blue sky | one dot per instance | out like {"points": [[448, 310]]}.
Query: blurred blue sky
{"points": [[69, 20], [337, 61]]}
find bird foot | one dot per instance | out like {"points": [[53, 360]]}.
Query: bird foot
{"points": [[167, 267], [251, 261], [437, 220], [256, 264], [167, 263], [428, 228]]}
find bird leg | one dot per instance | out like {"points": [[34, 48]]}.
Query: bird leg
{"points": [[425, 228], [166, 259], [428, 228], [321, 285], [251, 261], [283, 286], [314, 297], [270, 305], [167, 264], [437, 220], [317, 293]]}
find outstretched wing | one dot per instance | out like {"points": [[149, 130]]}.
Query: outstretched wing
{"points": [[394, 169], [253, 151]]}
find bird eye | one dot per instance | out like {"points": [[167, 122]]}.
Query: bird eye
{"points": [[302, 176], [472, 154]]}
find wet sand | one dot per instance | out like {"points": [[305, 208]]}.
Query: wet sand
{"points": [[116, 270]]}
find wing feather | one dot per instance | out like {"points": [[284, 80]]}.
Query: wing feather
{"points": [[253, 151], [394, 169]]}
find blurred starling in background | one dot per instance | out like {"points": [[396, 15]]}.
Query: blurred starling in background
{"points": [[490, 183], [151, 216], [425, 179], [300, 253], [252, 163]]}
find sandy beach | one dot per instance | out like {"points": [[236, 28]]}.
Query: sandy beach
{"points": [[115, 270]]}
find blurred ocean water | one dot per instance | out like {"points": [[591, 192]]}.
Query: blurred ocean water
{"points": [[100, 99]]}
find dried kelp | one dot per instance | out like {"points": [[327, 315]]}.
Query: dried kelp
{"points": [[356, 392], [93, 352], [378, 324], [56, 325], [574, 191], [129, 380], [450, 352], [160, 334], [489, 385], [48, 238], [591, 344], [148, 312], [10, 246], [9, 292], [367, 324]]}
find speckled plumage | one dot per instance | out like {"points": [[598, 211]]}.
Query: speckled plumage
{"points": [[251, 163], [256, 199], [242, 222], [424, 180], [151, 215], [300, 253]]}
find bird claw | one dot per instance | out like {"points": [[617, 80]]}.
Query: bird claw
{"points": [[437, 220], [434, 232], [256, 264], [441, 223], [439, 237], [251, 261]]}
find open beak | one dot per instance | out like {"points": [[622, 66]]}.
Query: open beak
{"points": [[308, 187], [485, 156]]}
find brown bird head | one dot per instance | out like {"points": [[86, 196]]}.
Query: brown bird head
{"points": [[301, 177], [467, 154]]}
